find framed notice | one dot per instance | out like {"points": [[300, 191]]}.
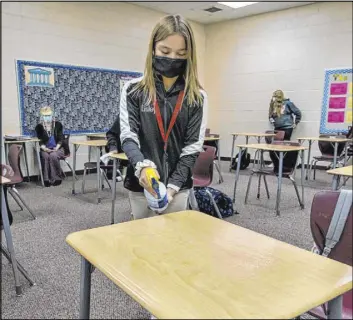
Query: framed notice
{"points": [[336, 113]]}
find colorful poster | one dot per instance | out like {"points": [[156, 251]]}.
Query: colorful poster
{"points": [[349, 102], [338, 88], [350, 90], [337, 103], [335, 117], [349, 117]]}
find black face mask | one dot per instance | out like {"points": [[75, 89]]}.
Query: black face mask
{"points": [[169, 67]]}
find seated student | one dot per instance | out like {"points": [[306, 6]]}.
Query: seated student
{"points": [[50, 134], [6, 172]]}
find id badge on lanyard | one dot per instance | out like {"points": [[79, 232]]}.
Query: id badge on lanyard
{"points": [[165, 135]]}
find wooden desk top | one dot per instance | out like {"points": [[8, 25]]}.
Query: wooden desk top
{"points": [[344, 171], [212, 138], [96, 135], [91, 143], [271, 147], [249, 134], [21, 141], [333, 139], [120, 156], [4, 180], [188, 265]]}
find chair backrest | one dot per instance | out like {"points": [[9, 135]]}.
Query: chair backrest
{"points": [[289, 159], [203, 168], [322, 209], [66, 144], [279, 135], [14, 162], [327, 147]]}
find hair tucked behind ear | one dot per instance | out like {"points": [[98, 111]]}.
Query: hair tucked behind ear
{"points": [[165, 27]]}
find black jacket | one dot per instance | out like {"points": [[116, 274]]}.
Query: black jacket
{"points": [[42, 135], [141, 138]]}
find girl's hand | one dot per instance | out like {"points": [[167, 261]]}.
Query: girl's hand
{"points": [[146, 183], [170, 194]]}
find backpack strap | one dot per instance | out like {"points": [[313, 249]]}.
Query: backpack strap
{"points": [[338, 221]]}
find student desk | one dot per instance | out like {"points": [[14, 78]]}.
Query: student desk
{"points": [[218, 140], [247, 135], [188, 265], [116, 158], [24, 143], [94, 136], [9, 252], [281, 149], [335, 141], [90, 143], [340, 172]]}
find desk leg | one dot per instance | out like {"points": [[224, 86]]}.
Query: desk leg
{"points": [[335, 156], [237, 177], [308, 162], [75, 148], [113, 191], [335, 308], [6, 146], [9, 243], [85, 289], [26, 161], [335, 180], [232, 154], [99, 185], [219, 161], [89, 153], [39, 163], [302, 176], [279, 186], [345, 153]]}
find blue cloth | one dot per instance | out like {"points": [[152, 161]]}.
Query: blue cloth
{"points": [[51, 143]]}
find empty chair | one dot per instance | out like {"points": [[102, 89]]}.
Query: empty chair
{"points": [[327, 153], [203, 173], [214, 144], [289, 164], [14, 162], [322, 209], [91, 166]]}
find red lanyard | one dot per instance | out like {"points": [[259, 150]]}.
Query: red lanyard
{"points": [[177, 108]]}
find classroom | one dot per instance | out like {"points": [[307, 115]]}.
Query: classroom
{"points": [[176, 160]]}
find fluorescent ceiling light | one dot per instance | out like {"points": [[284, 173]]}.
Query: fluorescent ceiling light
{"points": [[237, 5]]}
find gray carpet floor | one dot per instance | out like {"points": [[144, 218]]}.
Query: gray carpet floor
{"points": [[55, 267]]}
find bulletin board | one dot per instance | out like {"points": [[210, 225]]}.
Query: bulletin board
{"points": [[84, 99], [336, 113]]}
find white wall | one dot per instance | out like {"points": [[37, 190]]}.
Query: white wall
{"points": [[249, 58], [107, 35]]}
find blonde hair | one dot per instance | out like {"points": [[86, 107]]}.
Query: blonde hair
{"points": [[276, 106], [167, 26]]}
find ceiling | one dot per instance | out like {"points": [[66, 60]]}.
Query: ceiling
{"points": [[195, 10]]}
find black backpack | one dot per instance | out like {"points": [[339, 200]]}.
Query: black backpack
{"points": [[245, 160], [224, 203]]}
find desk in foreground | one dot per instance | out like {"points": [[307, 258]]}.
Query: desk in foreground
{"points": [[188, 265]]}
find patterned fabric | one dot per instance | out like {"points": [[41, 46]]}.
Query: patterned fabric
{"points": [[224, 203], [83, 99]]}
